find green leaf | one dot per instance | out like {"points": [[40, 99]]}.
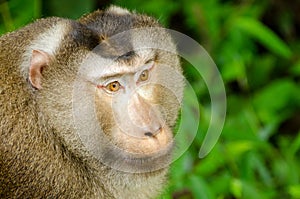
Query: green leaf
{"points": [[237, 148], [264, 35], [236, 188], [67, 8], [296, 69], [294, 191], [199, 188], [6, 15], [211, 163], [234, 69], [251, 191], [295, 145], [262, 170], [274, 98]]}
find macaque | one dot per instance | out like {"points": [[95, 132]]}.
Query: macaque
{"points": [[88, 107]]}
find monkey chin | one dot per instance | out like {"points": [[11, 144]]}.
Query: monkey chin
{"points": [[124, 161], [135, 163]]}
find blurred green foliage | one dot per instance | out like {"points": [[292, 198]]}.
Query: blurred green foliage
{"points": [[256, 47]]}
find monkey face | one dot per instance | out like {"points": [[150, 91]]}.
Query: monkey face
{"points": [[136, 105], [137, 122]]}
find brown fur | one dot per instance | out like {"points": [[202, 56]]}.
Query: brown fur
{"points": [[40, 155]]}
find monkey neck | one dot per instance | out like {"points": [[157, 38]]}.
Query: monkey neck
{"points": [[133, 185]]}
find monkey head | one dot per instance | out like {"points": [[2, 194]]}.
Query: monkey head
{"points": [[110, 87]]}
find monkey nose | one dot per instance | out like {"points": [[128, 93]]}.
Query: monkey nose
{"points": [[153, 133], [149, 134]]}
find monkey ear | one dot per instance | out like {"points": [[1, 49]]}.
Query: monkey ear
{"points": [[39, 60]]}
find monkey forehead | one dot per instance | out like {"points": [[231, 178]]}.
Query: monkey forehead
{"points": [[95, 66]]}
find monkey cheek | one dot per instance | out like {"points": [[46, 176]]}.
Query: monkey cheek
{"points": [[145, 146]]}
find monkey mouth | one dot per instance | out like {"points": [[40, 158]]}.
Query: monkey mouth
{"points": [[122, 160]]}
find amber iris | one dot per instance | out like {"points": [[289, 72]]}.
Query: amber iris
{"points": [[113, 86], [144, 75]]}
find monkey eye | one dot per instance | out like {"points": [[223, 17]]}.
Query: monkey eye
{"points": [[144, 75], [113, 86]]}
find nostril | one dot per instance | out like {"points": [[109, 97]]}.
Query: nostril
{"points": [[149, 134]]}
